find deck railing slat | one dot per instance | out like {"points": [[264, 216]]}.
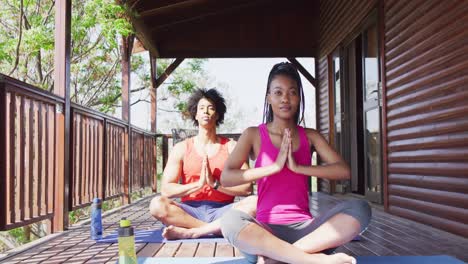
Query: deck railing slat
{"points": [[109, 160], [13, 157], [95, 160], [50, 159], [105, 162], [31, 159], [46, 159], [88, 161], [86, 154], [40, 155], [4, 154], [22, 147], [115, 169]]}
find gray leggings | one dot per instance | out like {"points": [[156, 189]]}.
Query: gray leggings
{"points": [[233, 221]]}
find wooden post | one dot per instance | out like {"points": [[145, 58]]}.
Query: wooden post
{"points": [[165, 150], [381, 21], [153, 94], [126, 51], [62, 88], [331, 113], [104, 156], [3, 157], [305, 73]]}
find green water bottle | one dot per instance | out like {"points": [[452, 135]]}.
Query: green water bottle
{"points": [[127, 253]]}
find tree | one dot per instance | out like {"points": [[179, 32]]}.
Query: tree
{"points": [[27, 50]]}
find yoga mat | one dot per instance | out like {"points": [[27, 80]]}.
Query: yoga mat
{"points": [[155, 236], [443, 259], [360, 260], [194, 260]]}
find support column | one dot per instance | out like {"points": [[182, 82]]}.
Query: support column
{"points": [[153, 94], [62, 88], [126, 51]]}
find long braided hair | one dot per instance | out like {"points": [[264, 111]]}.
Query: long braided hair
{"points": [[289, 70]]}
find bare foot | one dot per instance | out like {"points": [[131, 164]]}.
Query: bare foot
{"points": [[173, 232]]}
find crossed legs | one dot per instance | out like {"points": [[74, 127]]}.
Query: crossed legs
{"points": [[180, 224], [330, 230]]}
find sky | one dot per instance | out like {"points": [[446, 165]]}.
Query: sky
{"points": [[243, 83]]}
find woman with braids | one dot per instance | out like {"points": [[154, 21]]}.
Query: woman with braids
{"points": [[284, 229]]}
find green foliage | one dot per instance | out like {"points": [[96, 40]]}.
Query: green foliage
{"points": [[18, 234], [97, 27]]}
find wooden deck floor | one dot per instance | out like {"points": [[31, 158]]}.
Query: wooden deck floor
{"points": [[386, 235]]}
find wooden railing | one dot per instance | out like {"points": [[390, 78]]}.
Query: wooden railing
{"points": [[27, 153], [143, 159], [29, 160], [115, 152]]}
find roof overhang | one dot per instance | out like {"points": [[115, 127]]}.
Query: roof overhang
{"points": [[227, 28]]}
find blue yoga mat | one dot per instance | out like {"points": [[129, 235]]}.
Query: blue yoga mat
{"points": [[155, 236], [360, 260], [195, 260], [409, 260]]}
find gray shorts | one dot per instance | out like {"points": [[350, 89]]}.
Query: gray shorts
{"points": [[206, 211], [234, 221]]}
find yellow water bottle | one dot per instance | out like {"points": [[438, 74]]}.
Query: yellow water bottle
{"points": [[127, 253]]}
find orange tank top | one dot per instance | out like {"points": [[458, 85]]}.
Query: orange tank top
{"points": [[191, 172]]}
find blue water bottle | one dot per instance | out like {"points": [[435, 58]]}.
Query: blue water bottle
{"points": [[96, 219]]}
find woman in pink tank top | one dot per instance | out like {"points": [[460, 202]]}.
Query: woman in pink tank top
{"points": [[284, 230]]}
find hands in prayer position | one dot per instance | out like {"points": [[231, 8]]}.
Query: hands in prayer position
{"points": [[206, 177], [285, 156]]}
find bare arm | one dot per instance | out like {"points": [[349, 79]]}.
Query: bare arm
{"points": [[335, 167], [170, 186], [240, 190], [233, 174]]}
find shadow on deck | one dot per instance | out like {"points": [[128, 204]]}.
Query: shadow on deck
{"points": [[387, 235]]}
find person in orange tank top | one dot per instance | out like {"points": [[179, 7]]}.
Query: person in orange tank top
{"points": [[192, 173]]}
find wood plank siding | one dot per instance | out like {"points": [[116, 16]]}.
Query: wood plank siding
{"points": [[323, 111], [425, 115], [338, 18], [336, 22], [426, 55]]}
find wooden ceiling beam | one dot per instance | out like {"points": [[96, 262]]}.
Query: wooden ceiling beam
{"points": [[168, 72], [204, 8], [178, 8], [143, 35], [304, 71], [154, 5], [138, 47]]}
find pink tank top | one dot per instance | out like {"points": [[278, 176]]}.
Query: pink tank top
{"points": [[283, 197]]}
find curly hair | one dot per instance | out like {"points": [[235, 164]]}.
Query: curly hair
{"points": [[289, 70], [212, 95]]}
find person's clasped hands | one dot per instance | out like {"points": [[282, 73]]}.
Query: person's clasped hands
{"points": [[285, 156], [206, 177]]}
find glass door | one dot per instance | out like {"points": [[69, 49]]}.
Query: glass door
{"points": [[337, 101], [340, 107], [372, 107]]}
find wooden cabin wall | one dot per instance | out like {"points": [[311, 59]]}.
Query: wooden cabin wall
{"points": [[426, 53], [323, 113], [338, 18]]}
